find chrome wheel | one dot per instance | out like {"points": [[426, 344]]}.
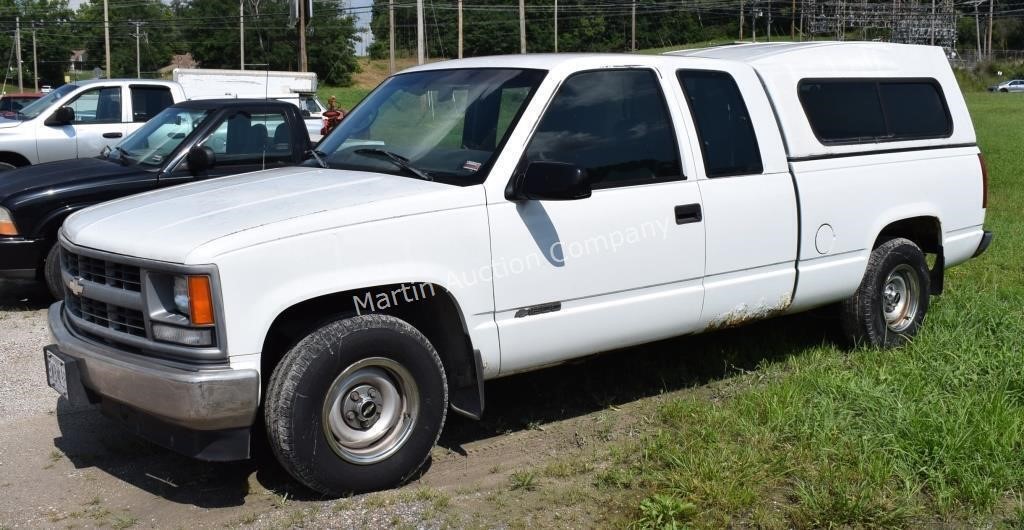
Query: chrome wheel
{"points": [[901, 293], [370, 410]]}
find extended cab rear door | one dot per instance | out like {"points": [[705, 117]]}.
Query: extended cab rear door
{"points": [[750, 204]]}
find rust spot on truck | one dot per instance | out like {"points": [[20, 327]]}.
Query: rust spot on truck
{"points": [[744, 314]]}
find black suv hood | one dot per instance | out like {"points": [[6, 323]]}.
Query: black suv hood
{"points": [[58, 176]]}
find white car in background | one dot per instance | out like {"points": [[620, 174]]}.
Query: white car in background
{"points": [[1013, 85]]}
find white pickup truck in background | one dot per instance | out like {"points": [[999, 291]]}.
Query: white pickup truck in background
{"points": [[477, 218], [102, 111]]}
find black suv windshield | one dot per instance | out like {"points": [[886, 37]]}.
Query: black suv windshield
{"points": [[152, 143], [40, 105], [446, 124]]}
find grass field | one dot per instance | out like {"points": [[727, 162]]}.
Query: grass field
{"points": [[929, 434]]}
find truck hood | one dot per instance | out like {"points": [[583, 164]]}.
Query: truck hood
{"points": [[194, 223], [52, 177]]}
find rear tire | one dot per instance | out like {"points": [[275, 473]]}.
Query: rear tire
{"points": [[51, 273], [890, 305], [357, 405]]}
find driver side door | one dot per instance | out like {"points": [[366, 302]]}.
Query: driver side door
{"points": [[621, 267], [244, 140]]}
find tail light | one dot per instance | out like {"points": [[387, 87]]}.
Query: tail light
{"points": [[984, 181]]}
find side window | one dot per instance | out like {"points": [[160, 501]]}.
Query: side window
{"points": [[99, 105], [251, 138], [613, 123], [915, 110], [843, 112], [148, 101], [855, 111], [727, 138]]}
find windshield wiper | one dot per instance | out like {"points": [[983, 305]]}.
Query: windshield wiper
{"points": [[318, 155], [397, 160]]}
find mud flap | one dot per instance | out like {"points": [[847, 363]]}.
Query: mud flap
{"points": [[468, 399]]}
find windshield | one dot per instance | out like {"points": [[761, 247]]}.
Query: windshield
{"points": [[447, 124], [152, 143], [40, 105]]}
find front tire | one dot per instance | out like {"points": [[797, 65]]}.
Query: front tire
{"points": [[357, 405], [51, 273], [889, 306]]}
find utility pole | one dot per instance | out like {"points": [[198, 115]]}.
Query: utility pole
{"points": [[35, 63], [988, 44], [792, 22], [522, 26], [769, 20], [741, 19], [241, 34], [753, 21], [802, 21], [17, 33], [138, 60], [632, 38], [977, 30], [391, 36], [303, 63], [556, 26], [932, 31], [460, 29], [420, 43], [106, 34]]}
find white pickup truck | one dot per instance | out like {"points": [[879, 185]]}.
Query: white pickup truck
{"points": [[477, 218], [80, 119]]}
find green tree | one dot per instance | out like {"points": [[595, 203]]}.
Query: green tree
{"points": [[52, 21], [212, 30], [159, 42]]}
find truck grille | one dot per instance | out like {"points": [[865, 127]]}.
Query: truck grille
{"points": [[103, 272], [110, 316], [109, 303]]}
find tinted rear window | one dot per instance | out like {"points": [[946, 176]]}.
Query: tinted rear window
{"points": [[851, 111], [727, 138]]}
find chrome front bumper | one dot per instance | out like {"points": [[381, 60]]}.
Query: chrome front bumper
{"points": [[201, 399]]}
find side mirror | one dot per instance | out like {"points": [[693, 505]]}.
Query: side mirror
{"points": [[200, 158], [63, 116], [551, 181]]}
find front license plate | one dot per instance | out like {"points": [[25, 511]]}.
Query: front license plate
{"points": [[56, 375]]}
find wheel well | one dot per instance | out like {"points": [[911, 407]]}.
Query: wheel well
{"points": [[432, 310], [926, 233], [14, 159]]}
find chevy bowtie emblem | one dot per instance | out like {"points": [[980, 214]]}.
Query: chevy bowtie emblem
{"points": [[75, 286]]}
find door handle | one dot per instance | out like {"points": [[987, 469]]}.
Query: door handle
{"points": [[112, 135], [688, 213]]}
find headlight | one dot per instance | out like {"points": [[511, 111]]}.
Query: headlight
{"points": [[194, 299], [7, 227], [186, 316]]}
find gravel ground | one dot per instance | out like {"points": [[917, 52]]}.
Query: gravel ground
{"points": [[23, 390]]}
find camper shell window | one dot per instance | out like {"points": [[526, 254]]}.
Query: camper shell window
{"points": [[859, 111]]}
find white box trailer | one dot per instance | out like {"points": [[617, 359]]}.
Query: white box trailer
{"points": [[296, 87]]}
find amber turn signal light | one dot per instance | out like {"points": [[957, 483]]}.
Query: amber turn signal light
{"points": [[200, 300], [7, 228]]}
